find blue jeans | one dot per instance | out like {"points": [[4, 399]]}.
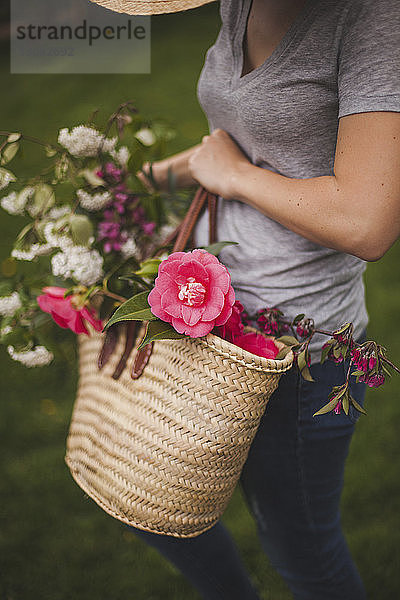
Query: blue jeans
{"points": [[292, 481]]}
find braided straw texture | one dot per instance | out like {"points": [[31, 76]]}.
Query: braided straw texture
{"points": [[164, 452], [150, 7]]}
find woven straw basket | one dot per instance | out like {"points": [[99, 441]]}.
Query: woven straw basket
{"points": [[164, 452], [163, 448]]}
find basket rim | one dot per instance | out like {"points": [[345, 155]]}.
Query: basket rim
{"points": [[230, 350], [246, 358]]}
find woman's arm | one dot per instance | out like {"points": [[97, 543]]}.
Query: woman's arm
{"points": [[179, 166], [357, 210]]}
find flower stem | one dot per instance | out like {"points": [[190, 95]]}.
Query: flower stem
{"points": [[112, 295], [387, 361], [29, 139], [323, 331]]}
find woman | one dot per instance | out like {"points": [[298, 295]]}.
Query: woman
{"points": [[303, 103]]}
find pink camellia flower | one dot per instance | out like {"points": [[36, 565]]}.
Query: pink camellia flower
{"points": [[64, 312], [234, 326], [258, 344], [193, 292]]}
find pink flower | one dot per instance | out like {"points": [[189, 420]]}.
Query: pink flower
{"points": [[148, 228], [234, 326], [64, 313], [338, 408], [258, 344], [375, 380], [193, 292]]}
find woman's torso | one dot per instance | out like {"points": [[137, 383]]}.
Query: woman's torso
{"points": [[283, 114]]}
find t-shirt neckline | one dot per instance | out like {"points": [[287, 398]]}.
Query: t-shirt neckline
{"points": [[271, 60]]}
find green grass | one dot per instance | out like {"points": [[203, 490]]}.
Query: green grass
{"points": [[55, 544]]}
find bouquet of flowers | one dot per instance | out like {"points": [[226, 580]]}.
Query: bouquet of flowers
{"points": [[85, 249], [88, 221]]}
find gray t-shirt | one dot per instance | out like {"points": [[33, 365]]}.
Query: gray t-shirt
{"points": [[339, 57]]}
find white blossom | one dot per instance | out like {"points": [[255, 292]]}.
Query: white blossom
{"points": [[122, 155], [129, 248], [6, 330], [38, 356], [146, 136], [12, 204], [166, 230], [32, 252], [58, 211], [56, 240], [85, 141], [15, 203], [83, 265], [10, 304], [95, 202]]}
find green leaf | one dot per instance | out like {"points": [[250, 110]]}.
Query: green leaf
{"points": [[134, 279], [9, 152], [337, 353], [357, 373], [288, 340], [338, 391], [327, 408], [298, 318], [305, 373], [344, 328], [148, 268], [23, 233], [43, 199], [145, 136], [301, 360], [81, 229], [159, 330], [50, 151], [135, 309], [91, 177], [216, 248], [6, 175], [386, 370], [324, 355], [282, 353], [345, 403], [13, 137], [357, 406]]}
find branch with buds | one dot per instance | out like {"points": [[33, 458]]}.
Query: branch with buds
{"points": [[367, 362]]}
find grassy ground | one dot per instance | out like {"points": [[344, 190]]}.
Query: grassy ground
{"points": [[55, 544]]}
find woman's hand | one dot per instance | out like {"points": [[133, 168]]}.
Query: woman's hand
{"points": [[178, 164], [160, 176], [216, 162]]}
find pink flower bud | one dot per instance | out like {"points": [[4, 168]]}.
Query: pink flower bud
{"points": [[338, 408], [376, 380]]}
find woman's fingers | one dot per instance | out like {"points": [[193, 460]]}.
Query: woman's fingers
{"points": [[144, 176]]}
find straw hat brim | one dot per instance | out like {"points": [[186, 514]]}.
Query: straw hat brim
{"points": [[150, 7]]}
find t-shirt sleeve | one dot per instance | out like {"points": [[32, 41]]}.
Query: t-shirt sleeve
{"points": [[369, 58]]}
